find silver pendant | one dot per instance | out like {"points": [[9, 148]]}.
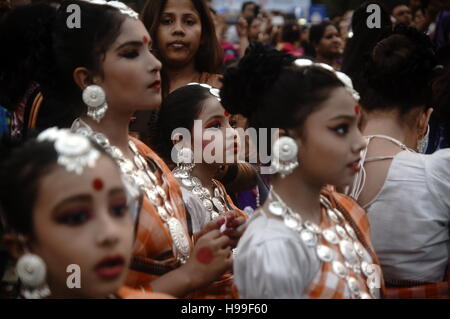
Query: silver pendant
{"points": [[180, 174], [208, 204], [368, 269], [373, 281], [179, 237], [308, 237], [161, 192], [350, 231], [214, 215], [218, 205], [330, 236], [187, 182], [197, 191], [359, 249], [339, 269], [196, 182], [291, 222], [354, 286], [341, 232], [206, 192], [375, 292], [276, 209], [357, 269], [333, 216], [348, 251], [324, 253], [163, 213], [216, 192], [312, 227]]}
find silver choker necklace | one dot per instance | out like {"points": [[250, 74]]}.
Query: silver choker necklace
{"points": [[141, 175], [215, 205], [343, 241]]}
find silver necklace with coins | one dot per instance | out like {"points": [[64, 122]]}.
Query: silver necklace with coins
{"points": [[342, 235], [139, 172], [215, 205]]}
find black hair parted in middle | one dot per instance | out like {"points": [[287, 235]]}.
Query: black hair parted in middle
{"points": [[43, 49], [272, 92]]}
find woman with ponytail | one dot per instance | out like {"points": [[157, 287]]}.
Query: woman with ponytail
{"points": [[307, 240], [93, 78]]}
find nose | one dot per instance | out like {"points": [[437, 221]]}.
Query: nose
{"points": [[360, 143], [178, 28], [155, 64], [107, 232]]}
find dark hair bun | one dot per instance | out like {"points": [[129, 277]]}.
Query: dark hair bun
{"points": [[402, 67], [244, 85]]}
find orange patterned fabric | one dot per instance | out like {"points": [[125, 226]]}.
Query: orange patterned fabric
{"points": [[130, 293], [153, 255], [326, 284]]}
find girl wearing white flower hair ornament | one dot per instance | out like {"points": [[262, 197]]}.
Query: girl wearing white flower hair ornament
{"points": [[94, 78], [72, 190], [307, 240]]}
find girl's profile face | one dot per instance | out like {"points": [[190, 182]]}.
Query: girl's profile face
{"points": [[131, 78], [331, 143], [216, 121], [83, 221], [179, 33]]}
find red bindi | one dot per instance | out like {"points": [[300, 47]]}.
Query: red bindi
{"points": [[357, 109], [226, 113], [97, 184], [145, 39], [205, 255]]}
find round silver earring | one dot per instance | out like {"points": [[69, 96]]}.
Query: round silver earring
{"points": [[422, 144], [284, 156], [185, 163], [94, 97], [32, 271]]}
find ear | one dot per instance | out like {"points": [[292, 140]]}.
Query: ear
{"points": [[83, 77], [424, 119]]}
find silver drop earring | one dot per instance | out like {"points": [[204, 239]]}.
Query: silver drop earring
{"points": [[422, 144], [185, 163], [31, 271], [94, 97], [284, 156]]}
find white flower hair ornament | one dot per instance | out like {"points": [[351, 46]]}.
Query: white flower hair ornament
{"points": [[75, 152], [214, 91], [344, 78]]}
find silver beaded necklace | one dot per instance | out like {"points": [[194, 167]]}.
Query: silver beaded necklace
{"points": [[215, 205], [139, 172], [342, 235]]}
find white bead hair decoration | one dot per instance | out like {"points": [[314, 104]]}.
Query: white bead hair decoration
{"points": [[344, 78], [214, 91], [75, 152]]}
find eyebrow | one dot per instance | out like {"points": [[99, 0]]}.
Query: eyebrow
{"points": [[76, 198], [343, 117], [133, 43]]}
